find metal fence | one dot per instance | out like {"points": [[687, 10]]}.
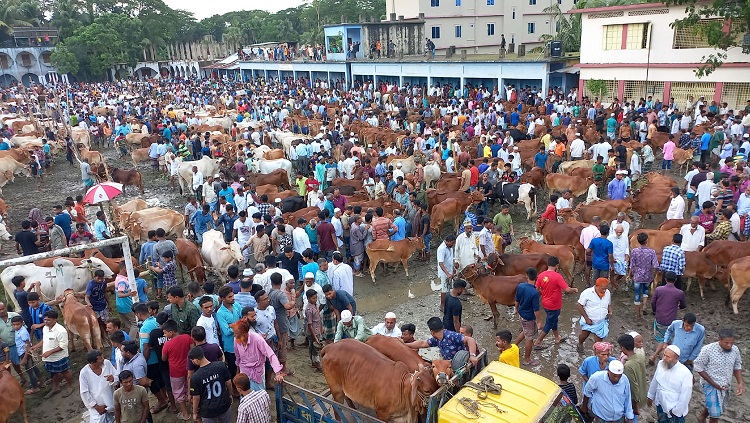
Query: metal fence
{"points": [[446, 392], [295, 404]]}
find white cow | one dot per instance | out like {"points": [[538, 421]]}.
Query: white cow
{"points": [[431, 173], [407, 165], [218, 254], [27, 129], [285, 138], [259, 152], [206, 165], [81, 136], [24, 140], [267, 166], [54, 280], [224, 122]]}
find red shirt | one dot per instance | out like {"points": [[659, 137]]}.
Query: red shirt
{"points": [[175, 352], [474, 175], [551, 284], [550, 212]]}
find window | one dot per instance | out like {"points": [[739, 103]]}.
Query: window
{"points": [[531, 27], [435, 3], [513, 12], [532, 2], [695, 36], [612, 37], [637, 36], [490, 2], [458, 31], [435, 32], [458, 3], [490, 29]]}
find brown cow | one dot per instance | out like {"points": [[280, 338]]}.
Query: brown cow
{"points": [[673, 224], [603, 209], [436, 196], [657, 239], [451, 208], [564, 253], [449, 182], [4, 209], [558, 182], [266, 189], [387, 251], [272, 196], [189, 255], [274, 154], [12, 394], [130, 177], [347, 182], [652, 199], [278, 177], [21, 155], [683, 158], [139, 155], [516, 264], [739, 272], [562, 234], [493, 289], [396, 350], [723, 252], [358, 373], [697, 265], [80, 320], [535, 177]]}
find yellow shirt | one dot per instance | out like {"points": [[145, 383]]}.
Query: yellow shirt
{"points": [[546, 139], [487, 151], [511, 356]]}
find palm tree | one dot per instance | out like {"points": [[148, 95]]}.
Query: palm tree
{"points": [[19, 13]]}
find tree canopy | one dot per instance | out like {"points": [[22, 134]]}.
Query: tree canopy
{"points": [[730, 31], [94, 35]]}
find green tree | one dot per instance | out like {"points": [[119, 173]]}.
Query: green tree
{"points": [[64, 60], [19, 13], [719, 36], [597, 86]]}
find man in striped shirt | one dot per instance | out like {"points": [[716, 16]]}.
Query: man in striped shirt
{"points": [[255, 405]]}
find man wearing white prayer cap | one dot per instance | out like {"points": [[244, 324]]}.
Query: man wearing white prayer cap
{"points": [[387, 327], [671, 387]]}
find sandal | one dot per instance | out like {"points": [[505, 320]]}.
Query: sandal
{"points": [[31, 391], [532, 363], [540, 347]]}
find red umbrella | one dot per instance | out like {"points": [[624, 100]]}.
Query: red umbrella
{"points": [[105, 191]]}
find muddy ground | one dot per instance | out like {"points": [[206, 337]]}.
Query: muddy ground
{"points": [[412, 299]]}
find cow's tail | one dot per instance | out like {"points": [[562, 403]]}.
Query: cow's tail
{"points": [[96, 333], [532, 195]]}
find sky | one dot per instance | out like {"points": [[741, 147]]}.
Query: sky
{"points": [[204, 9]]}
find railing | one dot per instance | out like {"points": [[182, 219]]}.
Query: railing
{"points": [[295, 404]]}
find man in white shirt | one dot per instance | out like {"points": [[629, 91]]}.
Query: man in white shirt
{"points": [[388, 327], [565, 201], [300, 240], [311, 284], [704, 191], [693, 235], [620, 220], [676, 205], [620, 252], [576, 148], [671, 387], [341, 275], [591, 194], [243, 230], [466, 251], [96, 385], [197, 183]]}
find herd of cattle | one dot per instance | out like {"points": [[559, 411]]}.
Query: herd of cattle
{"points": [[382, 374]]}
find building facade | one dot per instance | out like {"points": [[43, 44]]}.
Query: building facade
{"points": [[637, 53], [478, 25], [407, 37]]}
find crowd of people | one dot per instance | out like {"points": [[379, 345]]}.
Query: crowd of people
{"points": [[297, 279]]}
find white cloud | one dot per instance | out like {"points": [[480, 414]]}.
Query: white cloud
{"points": [[203, 9]]}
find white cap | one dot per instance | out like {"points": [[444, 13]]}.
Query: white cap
{"points": [[247, 272], [351, 134], [309, 275], [515, 147], [634, 334], [746, 136], [242, 179], [322, 128], [399, 164], [337, 210], [621, 172], [217, 176], [611, 114], [390, 315], [346, 317], [615, 366], [675, 349], [278, 200], [578, 134]]}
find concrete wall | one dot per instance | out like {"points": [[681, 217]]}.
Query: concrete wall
{"points": [[408, 36], [473, 17], [37, 68]]}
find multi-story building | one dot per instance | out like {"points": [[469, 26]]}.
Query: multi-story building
{"points": [[637, 53], [478, 25], [27, 57]]}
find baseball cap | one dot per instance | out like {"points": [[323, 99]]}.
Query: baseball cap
{"points": [[615, 366], [346, 317]]}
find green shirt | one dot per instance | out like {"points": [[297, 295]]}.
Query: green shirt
{"points": [[131, 403], [635, 370], [7, 334], [716, 140], [358, 330], [598, 170], [187, 317], [504, 221]]}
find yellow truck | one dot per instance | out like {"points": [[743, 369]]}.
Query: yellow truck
{"points": [[501, 393]]}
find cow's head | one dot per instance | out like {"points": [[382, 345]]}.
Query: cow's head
{"points": [[235, 250], [416, 242], [423, 384], [94, 264], [477, 197], [442, 371]]}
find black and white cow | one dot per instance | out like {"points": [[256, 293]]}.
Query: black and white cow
{"points": [[514, 193]]}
